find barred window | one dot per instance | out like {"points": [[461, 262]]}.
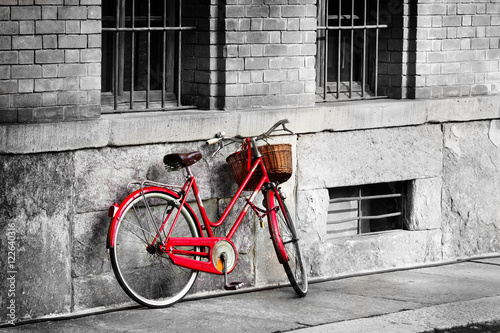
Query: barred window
{"points": [[364, 209], [348, 48], [141, 54]]}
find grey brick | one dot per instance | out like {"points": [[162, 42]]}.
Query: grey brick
{"points": [[90, 83], [5, 42], [94, 41], [90, 55], [25, 13], [71, 56], [72, 98], [72, 13], [292, 37], [8, 86], [49, 2], [48, 114], [49, 27], [26, 42], [293, 62], [72, 41], [256, 63], [481, 20], [276, 50], [27, 57], [49, 98], [49, 12], [261, 37], [50, 41], [8, 57], [73, 27], [49, 56], [69, 70], [95, 12], [26, 27], [26, 71], [256, 11], [42, 85], [25, 86], [4, 72], [49, 70], [7, 115], [90, 2], [9, 28], [27, 100], [91, 27], [4, 13]]}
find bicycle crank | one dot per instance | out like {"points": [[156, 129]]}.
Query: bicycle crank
{"points": [[224, 260]]}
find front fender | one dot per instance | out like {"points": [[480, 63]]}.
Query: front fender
{"points": [[116, 217]]}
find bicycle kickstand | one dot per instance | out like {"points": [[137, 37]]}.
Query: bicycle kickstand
{"points": [[230, 285]]}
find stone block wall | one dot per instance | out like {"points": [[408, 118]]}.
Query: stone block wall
{"points": [[457, 48], [50, 60]]}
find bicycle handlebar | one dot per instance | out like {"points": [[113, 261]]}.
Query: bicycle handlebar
{"points": [[221, 136]]}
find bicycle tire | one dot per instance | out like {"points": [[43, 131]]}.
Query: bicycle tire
{"points": [[286, 242], [151, 279]]}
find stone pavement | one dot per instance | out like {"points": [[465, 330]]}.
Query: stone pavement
{"points": [[414, 300]]}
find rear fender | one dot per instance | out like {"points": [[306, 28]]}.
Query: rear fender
{"points": [[118, 212]]}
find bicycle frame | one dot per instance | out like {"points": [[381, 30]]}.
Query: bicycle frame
{"points": [[179, 256]]}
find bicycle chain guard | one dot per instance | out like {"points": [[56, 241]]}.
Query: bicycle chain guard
{"points": [[220, 248]]}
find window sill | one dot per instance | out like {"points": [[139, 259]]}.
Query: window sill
{"points": [[137, 128]]}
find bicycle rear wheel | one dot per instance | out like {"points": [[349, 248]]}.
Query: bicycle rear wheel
{"points": [[144, 272], [286, 242]]}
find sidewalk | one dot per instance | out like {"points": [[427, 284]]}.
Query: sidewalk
{"points": [[414, 300]]}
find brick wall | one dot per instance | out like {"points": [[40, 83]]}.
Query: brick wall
{"points": [[261, 54], [457, 48], [50, 60]]}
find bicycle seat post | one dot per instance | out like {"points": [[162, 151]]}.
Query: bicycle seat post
{"points": [[189, 172]]}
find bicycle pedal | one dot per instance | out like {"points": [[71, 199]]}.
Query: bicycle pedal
{"points": [[233, 285]]}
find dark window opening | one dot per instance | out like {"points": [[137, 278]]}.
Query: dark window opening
{"points": [[365, 209], [141, 54], [348, 41]]}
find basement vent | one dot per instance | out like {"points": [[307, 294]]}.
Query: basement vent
{"points": [[365, 209]]}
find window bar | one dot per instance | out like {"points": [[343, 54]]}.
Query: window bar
{"points": [[376, 50], [179, 63], [117, 58], [164, 61], [121, 50], [360, 212], [132, 57], [148, 55], [325, 54], [370, 197], [367, 217], [339, 49], [351, 66], [363, 74]]}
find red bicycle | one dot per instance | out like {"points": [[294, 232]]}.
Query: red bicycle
{"points": [[157, 244]]}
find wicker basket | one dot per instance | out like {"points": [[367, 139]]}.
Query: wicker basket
{"points": [[277, 159]]}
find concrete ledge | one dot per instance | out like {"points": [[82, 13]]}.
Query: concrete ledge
{"points": [[180, 126]]}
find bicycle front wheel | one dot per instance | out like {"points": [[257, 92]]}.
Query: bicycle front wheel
{"points": [[145, 272], [286, 242]]}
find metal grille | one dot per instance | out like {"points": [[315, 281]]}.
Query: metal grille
{"points": [[364, 209], [142, 54], [348, 47]]}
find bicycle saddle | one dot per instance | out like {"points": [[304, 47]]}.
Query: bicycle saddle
{"points": [[179, 161]]}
